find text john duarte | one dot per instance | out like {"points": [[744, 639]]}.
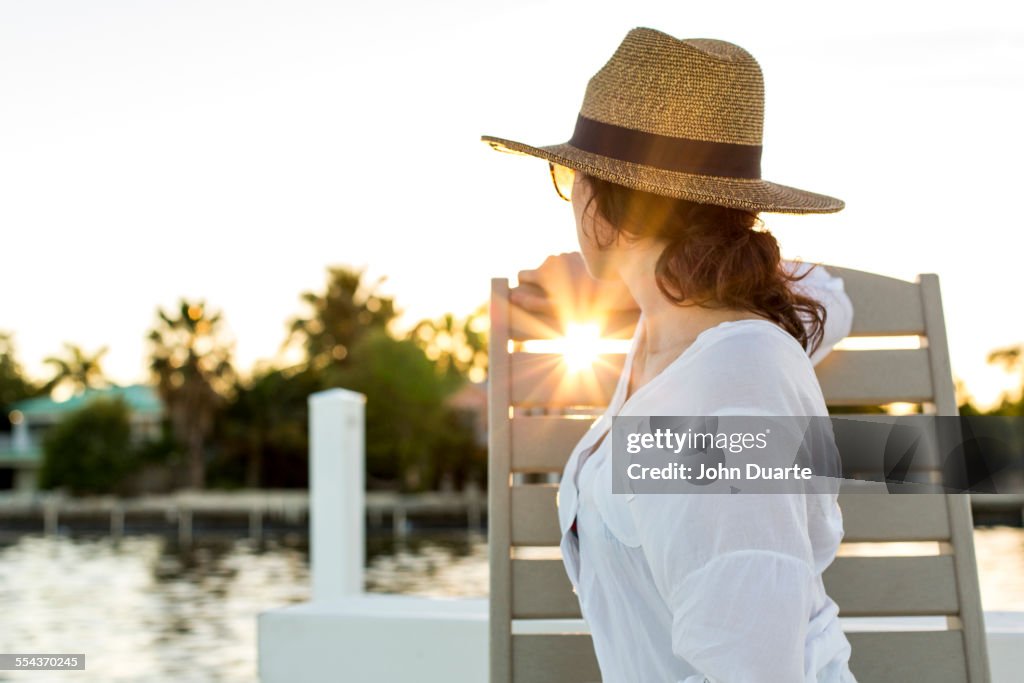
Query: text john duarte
{"points": [[663, 439]]}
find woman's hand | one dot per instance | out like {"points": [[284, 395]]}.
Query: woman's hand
{"points": [[562, 287]]}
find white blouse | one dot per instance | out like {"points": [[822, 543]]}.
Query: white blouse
{"points": [[711, 587]]}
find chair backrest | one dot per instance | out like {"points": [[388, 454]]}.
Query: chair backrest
{"points": [[535, 420]]}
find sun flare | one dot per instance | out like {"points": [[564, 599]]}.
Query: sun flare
{"points": [[580, 347]]}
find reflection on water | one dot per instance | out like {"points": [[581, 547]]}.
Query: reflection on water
{"points": [[435, 565], [999, 551], [146, 610], [141, 610]]}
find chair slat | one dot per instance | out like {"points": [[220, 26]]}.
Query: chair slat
{"points": [[524, 325], [861, 586], [875, 377], [885, 306], [879, 657], [867, 517], [870, 377], [867, 442], [554, 658], [897, 657], [882, 305], [893, 586], [535, 515], [544, 379], [876, 518], [542, 591], [544, 443]]}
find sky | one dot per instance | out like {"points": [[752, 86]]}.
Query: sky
{"points": [[231, 151]]}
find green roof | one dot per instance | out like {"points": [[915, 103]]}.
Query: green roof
{"points": [[10, 457], [142, 398]]}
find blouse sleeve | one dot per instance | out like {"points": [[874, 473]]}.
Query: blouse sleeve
{"points": [[827, 288], [736, 570], [737, 575]]}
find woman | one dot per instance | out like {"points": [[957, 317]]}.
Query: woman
{"points": [[663, 172]]}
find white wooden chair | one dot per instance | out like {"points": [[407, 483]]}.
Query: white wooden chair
{"points": [[535, 627]]}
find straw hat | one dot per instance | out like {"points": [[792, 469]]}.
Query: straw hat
{"points": [[681, 118]]}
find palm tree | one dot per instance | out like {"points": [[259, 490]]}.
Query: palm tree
{"points": [[192, 366], [264, 427], [1011, 358], [14, 384], [339, 317], [77, 368]]}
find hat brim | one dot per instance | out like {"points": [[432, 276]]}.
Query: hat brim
{"points": [[740, 193]]}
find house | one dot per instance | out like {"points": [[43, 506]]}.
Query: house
{"points": [[21, 451], [471, 400]]}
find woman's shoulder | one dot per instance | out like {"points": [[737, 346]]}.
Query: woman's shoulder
{"points": [[754, 341], [753, 363]]}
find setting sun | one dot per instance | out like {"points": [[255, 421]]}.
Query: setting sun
{"points": [[580, 347]]}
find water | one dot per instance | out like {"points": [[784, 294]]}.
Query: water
{"points": [[145, 610], [141, 610]]}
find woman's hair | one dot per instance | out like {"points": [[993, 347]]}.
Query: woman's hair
{"points": [[713, 254]]}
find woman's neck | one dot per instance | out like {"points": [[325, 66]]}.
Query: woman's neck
{"points": [[668, 325]]}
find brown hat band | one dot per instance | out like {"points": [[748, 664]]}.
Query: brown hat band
{"points": [[665, 152]]}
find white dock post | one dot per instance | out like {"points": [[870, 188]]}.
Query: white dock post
{"points": [[256, 524], [50, 517], [399, 521], [474, 512], [337, 483], [184, 526], [117, 522]]}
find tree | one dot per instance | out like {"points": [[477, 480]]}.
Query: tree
{"points": [[405, 413], [339, 317], [264, 429], [14, 385], [458, 347], [90, 450], [1012, 359], [77, 368], [191, 364]]}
